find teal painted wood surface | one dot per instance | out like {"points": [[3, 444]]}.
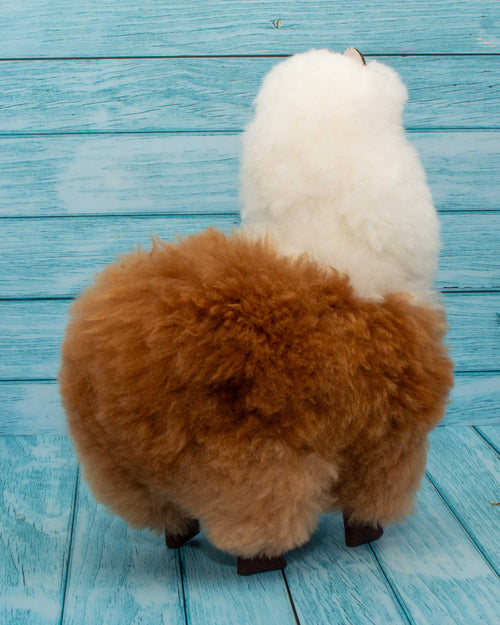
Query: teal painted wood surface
{"points": [[474, 400], [40, 28], [34, 407], [213, 94], [37, 483], [32, 331], [461, 464], [492, 435], [474, 333], [118, 573], [434, 567], [58, 257], [62, 255], [148, 174], [331, 583], [31, 408], [215, 594], [106, 150]]}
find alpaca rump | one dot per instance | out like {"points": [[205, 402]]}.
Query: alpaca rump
{"points": [[217, 380]]}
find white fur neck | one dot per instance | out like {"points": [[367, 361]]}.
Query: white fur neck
{"points": [[327, 171]]}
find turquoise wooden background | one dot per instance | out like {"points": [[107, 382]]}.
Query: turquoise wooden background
{"points": [[121, 119]]}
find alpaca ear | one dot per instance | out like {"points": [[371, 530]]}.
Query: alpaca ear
{"points": [[355, 54]]}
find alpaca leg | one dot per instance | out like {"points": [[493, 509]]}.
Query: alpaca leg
{"points": [[175, 540], [358, 533], [266, 507], [378, 487], [250, 566]]}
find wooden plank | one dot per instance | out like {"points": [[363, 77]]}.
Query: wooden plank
{"points": [[32, 331], [119, 174], [37, 28], [61, 256], [460, 264], [35, 408], [452, 162], [215, 593], [492, 434], [30, 338], [31, 408], [37, 482], [137, 95], [475, 400], [119, 575], [58, 257], [88, 175], [461, 462], [331, 583], [436, 569], [474, 332]]}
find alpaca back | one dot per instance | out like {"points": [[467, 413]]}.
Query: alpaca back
{"points": [[220, 341]]}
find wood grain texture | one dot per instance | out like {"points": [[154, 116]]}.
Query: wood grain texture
{"points": [[39, 28], [331, 583], [30, 407], [119, 575], [37, 481], [214, 593], [32, 331], [137, 95], [470, 254], [435, 568], [58, 257], [475, 400], [120, 174], [474, 333], [466, 471], [492, 434]]}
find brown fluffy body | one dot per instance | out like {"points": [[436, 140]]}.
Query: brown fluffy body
{"points": [[215, 379]]}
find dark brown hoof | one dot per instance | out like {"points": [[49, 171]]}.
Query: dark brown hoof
{"points": [[249, 566], [174, 541], [360, 533]]}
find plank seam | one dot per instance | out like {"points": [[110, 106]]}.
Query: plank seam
{"points": [[477, 372], [283, 55], [486, 439], [183, 590], [70, 298], [462, 524], [70, 547], [99, 133], [228, 131], [290, 598], [230, 214], [403, 609], [28, 380], [459, 372]]}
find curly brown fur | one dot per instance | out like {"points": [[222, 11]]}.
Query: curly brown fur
{"points": [[214, 379]]}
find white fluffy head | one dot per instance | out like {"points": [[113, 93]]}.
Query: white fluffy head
{"points": [[327, 170]]}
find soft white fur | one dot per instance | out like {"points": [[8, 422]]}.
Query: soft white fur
{"points": [[327, 169]]}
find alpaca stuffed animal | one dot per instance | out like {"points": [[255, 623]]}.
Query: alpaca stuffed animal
{"points": [[251, 382]]}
